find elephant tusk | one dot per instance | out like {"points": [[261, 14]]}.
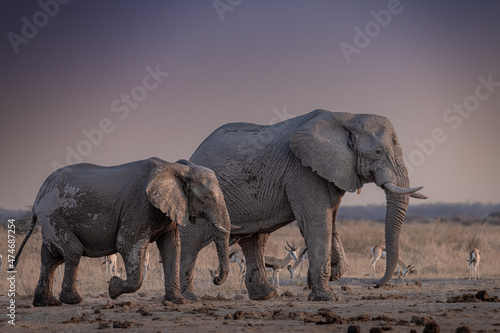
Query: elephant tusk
{"points": [[401, 190], [419, 196], [359, 191]]}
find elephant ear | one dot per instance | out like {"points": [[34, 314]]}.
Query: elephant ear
{"points": [[324, 143], [165, 191]]}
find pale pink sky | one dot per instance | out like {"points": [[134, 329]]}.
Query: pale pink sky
{"points": [[264, 58]]}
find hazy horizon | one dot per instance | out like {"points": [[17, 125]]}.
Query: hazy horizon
{"points": [[187, 68]]}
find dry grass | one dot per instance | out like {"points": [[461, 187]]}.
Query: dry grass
{"points": [[438, 250]]}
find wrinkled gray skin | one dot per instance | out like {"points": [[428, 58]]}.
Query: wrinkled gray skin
{"points": [[93, 211], [298, 169]]}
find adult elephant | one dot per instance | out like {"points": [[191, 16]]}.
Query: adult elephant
{"points": [[93, 211], [299, 169]]}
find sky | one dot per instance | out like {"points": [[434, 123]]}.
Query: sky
{"points": [[109, 82]]}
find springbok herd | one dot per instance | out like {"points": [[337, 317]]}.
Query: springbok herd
{"points": [[275, 265]]}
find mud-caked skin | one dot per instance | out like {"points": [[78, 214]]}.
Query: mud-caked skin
{"points": [[299, 169], [94, 211]]}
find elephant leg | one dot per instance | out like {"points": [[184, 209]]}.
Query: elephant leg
{"points": [[43, 291], [256, 280], [69, 293], [133, 254], [338, 260], [316, 232], [193, 239], [160, 267], [309, 279], [187, 275], [169, 246]]}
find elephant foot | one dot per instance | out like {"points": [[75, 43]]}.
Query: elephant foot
{"points": [[261, 293], [322, 296], [115, 287], [175, 298], [70, 297], [190, 295], [337, 270], [51, 301]]}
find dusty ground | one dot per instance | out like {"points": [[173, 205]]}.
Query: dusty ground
{"points": [[398, 307], [438, 250]]}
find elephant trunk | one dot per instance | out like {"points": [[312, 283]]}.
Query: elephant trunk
{"points": [[222, 245], [396, 206]]}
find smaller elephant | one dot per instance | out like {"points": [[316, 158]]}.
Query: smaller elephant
{"points": [[94, 211]]}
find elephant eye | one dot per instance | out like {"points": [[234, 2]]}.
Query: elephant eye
{"points": [[379, 151]]}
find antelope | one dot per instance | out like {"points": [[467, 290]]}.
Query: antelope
{"points": [[110, 262], [59, 269], [146, 265], [474, 258], [379, 252], [214, 274], [275, 265], [160, 267], [301, 257], [236, 255]]}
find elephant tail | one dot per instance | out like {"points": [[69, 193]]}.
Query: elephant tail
{"points": [[32, 227]]}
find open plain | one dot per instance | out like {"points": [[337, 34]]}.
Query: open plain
{"points": [[438, 291]]}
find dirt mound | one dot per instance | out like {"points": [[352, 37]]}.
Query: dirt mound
{"points": [[421, 321], [480, 296]]}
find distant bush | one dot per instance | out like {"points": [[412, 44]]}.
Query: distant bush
{"points": [[18, 215]]}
